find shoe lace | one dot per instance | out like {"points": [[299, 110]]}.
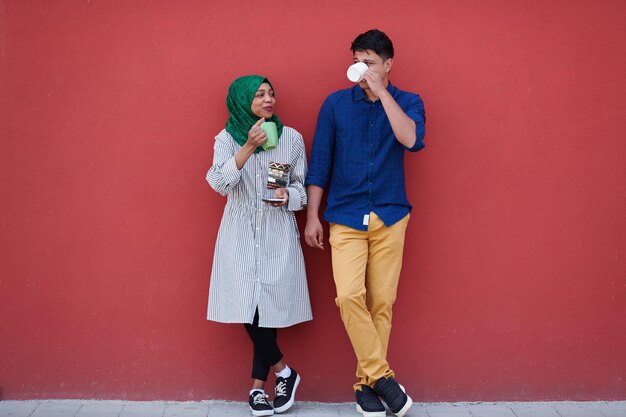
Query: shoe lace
{"points": [[281, 389], [260, 398]]}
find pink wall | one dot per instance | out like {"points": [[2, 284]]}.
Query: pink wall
{"points": [[514, 286]]}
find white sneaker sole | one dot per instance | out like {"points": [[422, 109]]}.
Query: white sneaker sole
{"points": [[289, 403], [370, 413], [261, 413], [409, 403]]}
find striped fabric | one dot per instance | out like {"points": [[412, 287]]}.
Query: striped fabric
{"points": [[258, 259]]}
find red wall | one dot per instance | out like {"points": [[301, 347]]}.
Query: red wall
{"points": [[514, 285]]}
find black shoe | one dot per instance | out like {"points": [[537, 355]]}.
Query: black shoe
{"points": [[259, 405], [286, 392], [389, 390], [367, 402]]}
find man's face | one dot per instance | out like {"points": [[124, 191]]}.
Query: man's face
{"points": [[374, 63]]}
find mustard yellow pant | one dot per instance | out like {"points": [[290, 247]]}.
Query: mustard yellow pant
{"points": [[366, 268]]}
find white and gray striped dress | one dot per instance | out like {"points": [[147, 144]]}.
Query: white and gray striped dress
{"points": [[258, 260]]}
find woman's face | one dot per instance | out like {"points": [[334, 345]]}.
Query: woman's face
{"points": [[263, 101]]}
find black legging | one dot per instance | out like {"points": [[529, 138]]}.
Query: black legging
{"points": [[266, 350]]}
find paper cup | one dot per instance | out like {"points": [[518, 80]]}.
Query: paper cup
{"points": [[272, 135], [356, 71]]}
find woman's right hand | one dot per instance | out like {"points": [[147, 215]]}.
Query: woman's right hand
{"points": [[256, 135]]}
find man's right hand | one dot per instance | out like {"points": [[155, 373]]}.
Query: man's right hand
{"points": [[314, 233]]}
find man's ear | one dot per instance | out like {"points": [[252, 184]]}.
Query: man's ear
{"points": [[388, 64]]}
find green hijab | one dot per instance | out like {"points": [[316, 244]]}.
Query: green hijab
{"points": [[239, 102]]}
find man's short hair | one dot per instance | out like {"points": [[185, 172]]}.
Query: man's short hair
{"points": [[375, 40]]}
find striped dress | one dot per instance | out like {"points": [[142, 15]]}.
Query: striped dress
{"points": [[258, 260]]}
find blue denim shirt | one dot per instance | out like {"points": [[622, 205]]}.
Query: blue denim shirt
{"points": [[357, 155]]}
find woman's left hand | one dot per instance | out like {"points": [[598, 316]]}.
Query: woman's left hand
{"points": [[283, 194]]}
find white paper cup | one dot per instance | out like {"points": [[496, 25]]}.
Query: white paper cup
{"points": [[356, 71]]}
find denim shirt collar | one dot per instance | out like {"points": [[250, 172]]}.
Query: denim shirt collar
{"points": [[358, 94]]}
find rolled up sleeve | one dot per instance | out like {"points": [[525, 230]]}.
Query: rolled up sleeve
{"points": [[417, 113], [322, 150], [297, 192], [223, 176]]}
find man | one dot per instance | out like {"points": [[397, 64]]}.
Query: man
{"points": [[358, 154]]}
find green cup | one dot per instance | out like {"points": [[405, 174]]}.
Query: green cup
{"points": [[272, 135]]}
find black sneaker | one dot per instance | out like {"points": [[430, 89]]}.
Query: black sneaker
{"points": [[286, 392], [390, 391], [367, 402], [259, 405]]}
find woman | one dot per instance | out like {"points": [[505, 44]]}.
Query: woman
{"points": [[258, 275]]}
